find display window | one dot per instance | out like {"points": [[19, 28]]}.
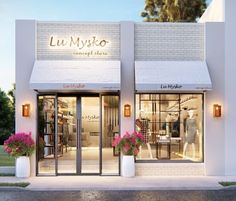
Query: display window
{"points": [[172, 125]]}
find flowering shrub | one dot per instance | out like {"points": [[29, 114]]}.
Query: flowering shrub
{"points": [[128, 144], [19, 144]]}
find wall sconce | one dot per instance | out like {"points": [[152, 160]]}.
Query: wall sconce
{"points": [[26, 110], [127, 110], [217, 110]]}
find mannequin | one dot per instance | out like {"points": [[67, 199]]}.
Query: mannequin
{"points": [[168, 122], [191, 132], [65, 133], [176, 126], [143, 124]]}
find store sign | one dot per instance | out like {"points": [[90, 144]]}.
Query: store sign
{"points": [[171, 86], [78, 41], [91, 46], [90, 117], [73, 86]]}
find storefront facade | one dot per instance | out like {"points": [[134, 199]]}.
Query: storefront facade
{"points": [[78, 78]]}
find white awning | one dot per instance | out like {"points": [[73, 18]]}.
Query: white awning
{"points": [[75, 75], [172, 75]]}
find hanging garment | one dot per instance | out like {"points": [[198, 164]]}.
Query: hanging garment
{"points": [[191, 129], [144, 129]]}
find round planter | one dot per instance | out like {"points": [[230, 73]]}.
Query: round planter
{"points": [[127, 166], [22, 166]]}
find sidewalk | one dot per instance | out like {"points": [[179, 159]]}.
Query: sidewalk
{"points": [[89, 183]]}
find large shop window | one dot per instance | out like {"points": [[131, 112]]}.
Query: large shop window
{"points": [[172, 125]]}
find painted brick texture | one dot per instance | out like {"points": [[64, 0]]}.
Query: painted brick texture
{"points": [[170, 169], [169, 41]]}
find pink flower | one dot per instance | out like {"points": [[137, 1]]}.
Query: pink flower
{"points": [[19, 144], [133, 140], [129, 143], [126, 147], [140, 136], [126, 135], [116, 141]]}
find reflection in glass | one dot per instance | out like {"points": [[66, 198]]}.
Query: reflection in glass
{"points": [[67, 135], [90, 132], [46, 135], [110, 128], [169, 127]]}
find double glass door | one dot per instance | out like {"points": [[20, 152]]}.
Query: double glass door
{"points": [[80, 132]]}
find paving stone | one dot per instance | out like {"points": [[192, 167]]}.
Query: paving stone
{"points": [[27, 195]]}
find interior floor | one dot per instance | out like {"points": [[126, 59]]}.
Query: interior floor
{"points": [[89, 161]]}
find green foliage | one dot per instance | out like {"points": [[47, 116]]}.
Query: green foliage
{"points": [[7, 116], [229, 183], [11, 94], [173, 10], [7, 175], [6, 160], [18, 184]]}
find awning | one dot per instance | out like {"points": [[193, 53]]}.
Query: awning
{"points": [[172, 75], [75, 75]]}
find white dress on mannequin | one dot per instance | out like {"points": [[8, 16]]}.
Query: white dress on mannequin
{"points": [[191, 132], [168, 121]]}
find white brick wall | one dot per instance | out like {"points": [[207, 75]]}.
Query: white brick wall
{"points": [[169, 41], [153, 41], [108, 31], [170, 169]]}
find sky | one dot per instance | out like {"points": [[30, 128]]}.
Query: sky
{"points": [[55, 10]]}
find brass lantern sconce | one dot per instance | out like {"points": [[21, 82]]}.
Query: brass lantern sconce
{"points": [[127, 110], [26, 110], [216, 110]]}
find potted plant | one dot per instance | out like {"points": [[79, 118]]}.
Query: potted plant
{"points": [[21, 146], [128, 145]]}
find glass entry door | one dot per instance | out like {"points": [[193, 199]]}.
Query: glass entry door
{"points": [[89, 135], [75, 135], [67, 137], [78, 134]]}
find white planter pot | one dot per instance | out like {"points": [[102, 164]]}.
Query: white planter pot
{"points": [[127, 166], [22, 166]]}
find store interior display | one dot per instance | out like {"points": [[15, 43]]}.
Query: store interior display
{"points": [[110, 128], [46, 127], [46, 133], [190, 133], [142, 124], [169, 124]]}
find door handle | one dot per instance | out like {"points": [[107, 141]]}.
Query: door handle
{"points": [[78, 133]]}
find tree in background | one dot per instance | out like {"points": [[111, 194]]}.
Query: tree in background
{"points": [[173, 10], [11, 94], [7, 115]]}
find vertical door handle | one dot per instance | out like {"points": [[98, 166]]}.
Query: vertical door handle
{"points": [[78, 133]]}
